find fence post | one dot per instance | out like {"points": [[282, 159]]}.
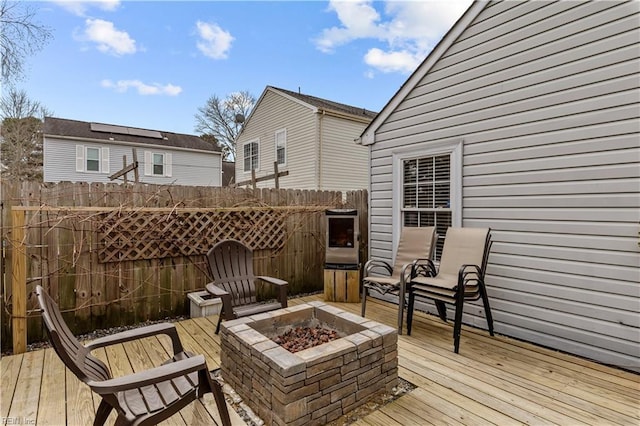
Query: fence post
{"points": [[19, 282]]}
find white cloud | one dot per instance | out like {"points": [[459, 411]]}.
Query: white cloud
{"points": [[392, 61], [142, 88], [80, 7], [214, 41], [405, 31], [108, 38]]}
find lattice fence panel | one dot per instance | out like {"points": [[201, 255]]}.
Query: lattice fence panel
{"points": [[156, 235]]}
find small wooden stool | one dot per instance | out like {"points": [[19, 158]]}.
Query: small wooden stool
{"points": [[342, 285]]}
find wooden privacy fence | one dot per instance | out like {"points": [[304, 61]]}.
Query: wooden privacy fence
{"points": [[114, 255]]}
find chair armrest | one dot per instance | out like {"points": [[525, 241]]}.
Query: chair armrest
{"points": [[468, 273], [424, 268], [227, 302], [140, 333], [375, 264], [282, 288], [149, 377], [216, 291], [272, 280]]}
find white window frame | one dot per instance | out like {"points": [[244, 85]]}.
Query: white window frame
{"points": [[421, 150], [167, 160], [284, 146], [87, 159], [257, 154], [82, 158]]}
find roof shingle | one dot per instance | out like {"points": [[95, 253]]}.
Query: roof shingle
{"points": [[81, 129]]}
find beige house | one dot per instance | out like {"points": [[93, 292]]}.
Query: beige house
{"points": [[525, 119], [312, 139]]}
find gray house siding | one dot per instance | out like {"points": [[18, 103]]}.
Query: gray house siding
{"points": [[188, 167], [544, 99]]}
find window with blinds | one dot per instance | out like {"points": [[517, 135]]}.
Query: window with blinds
{"points": [[250, 156], [426, 194]]}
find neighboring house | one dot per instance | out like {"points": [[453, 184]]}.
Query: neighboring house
{"points": [[528, 112], [312, 139], [79, 151]]}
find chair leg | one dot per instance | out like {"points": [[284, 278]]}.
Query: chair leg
{"points": [[457, 326], [410, 312], [365, 291], [487, 308], [442, 310], [219, 321], [401, 302], [218, 396], [102, 414]]}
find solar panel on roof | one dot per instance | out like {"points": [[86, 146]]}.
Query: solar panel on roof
{"points": [[145, 133], [108, 128], [122, 130]]}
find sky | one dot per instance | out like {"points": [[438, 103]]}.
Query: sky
{"points": [[152, 64]]}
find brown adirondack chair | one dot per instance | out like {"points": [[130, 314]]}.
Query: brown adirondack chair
{"points": [[460, 277], [231, 267], [143, 398], [415, 245]]}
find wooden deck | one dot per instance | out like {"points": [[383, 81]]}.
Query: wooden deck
{"points": [[492, 381]]}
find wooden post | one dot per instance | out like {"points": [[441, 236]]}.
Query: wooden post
{"points": [[124, 166], [275, 173], [136, 176], [253, 178], [19, 282]]}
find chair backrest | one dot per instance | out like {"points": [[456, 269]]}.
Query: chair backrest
{"points": [[74, 355], [464, 246], [231, 267], [415, 242]]}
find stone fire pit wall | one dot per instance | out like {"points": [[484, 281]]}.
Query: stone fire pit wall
{"points": [[316, 385]]}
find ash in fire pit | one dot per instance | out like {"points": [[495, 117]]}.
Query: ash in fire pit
{"points": [[300, 338]]}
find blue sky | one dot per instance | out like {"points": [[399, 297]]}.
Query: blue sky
{"points": [[152, 64]]}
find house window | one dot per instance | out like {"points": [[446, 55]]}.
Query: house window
{"points": [[426, 194], [251, 156], [281, 147], [157, 164], [93, 159]]}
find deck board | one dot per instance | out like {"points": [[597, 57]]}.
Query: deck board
{"points": [[494, 380]]}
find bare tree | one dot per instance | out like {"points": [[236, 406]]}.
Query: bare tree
{"points": [[21, 136], [223, 120], [20, 37]]}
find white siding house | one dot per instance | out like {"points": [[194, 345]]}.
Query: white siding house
{"points": [[525, 119], [79, 151], [312, 139]]}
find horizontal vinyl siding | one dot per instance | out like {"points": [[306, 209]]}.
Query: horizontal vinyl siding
{"points": [[275, 112], [188, 168], [546, 98], [345, 164]]}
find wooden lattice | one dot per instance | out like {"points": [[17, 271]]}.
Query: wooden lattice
{"points": [[135, 235]]}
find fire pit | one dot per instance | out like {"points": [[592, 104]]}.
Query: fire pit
{"points": [[314, 385]]}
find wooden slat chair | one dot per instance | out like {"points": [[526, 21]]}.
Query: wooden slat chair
{"points": [[416, 245], [460, 277], [143, 398], [231, 267]]}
